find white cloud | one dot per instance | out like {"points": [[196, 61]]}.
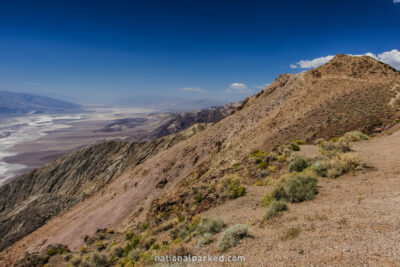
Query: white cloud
{"points": [[238, 88], [396, 1], [192, 89], [313, 63], [389, 57]]}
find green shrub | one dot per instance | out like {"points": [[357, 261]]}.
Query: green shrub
{"points": [[319, 141], [98, 260], [263, 165], [267, 199], [148, 242], [211, 225], [294, 147], [76, 260], [56, 249], [101, 245], [134, 254], [232, 236], [300, 142], [296, 188], [205, 239], [281, 158], [274, 208], [182, 232], [236, 165], [236, 189], [116, 251], [298, 164]]}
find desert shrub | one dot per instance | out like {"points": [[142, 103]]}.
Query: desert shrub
{"points": [[205, 239], [320, 168], [274, 208], [211, 225], [236, 165], [182, 232], [116, 251], [134, 254], [231, 186], [355, 136], [257, 153], [294, 147], [147, 257], [291, 233], [232, 236], [319, 141], [263, 165], [300, 142], [297, 188], [155, 246], [98, 260], [56, 249], [273, 168], [342, 163], [281, 158], [148, 242], [339, 146], [76, 260], [101, 245], [267, 199], [298, 164]]}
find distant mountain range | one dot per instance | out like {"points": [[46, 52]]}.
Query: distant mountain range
{"points": [[21, 103]]}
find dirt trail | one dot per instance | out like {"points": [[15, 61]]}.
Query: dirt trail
{"points": [[353, 221], [394, 99]]}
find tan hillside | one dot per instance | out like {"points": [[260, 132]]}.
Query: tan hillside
{"points": [[348, 93]]}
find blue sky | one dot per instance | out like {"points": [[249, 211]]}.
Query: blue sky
{"points": [[104, 51]]}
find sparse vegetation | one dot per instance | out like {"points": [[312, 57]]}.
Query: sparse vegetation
{"points": [[291, 233], [355, 136], [263, 165], [211, 225], [274, 208], [232, 236], [205, 239], [298, 164], [294, 147], [296, 188]]}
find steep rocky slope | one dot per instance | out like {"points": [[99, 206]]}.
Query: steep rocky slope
{"points": [[30, 200], [347, 93]]}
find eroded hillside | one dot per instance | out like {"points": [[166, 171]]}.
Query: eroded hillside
{"points": [[348, 93]]}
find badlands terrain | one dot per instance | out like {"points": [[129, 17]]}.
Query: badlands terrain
{"points": [[305, 172]]}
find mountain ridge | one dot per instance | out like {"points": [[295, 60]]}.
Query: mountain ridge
{"points": [[22, 103], [348, 93]]}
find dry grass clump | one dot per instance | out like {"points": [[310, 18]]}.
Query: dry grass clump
{"points": [[338, 165], [206, 239], [208, 227], [291, 233], [355, 136], [232, 236], [333, 147], [211, 225], [274, 208], [338, 158]]}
